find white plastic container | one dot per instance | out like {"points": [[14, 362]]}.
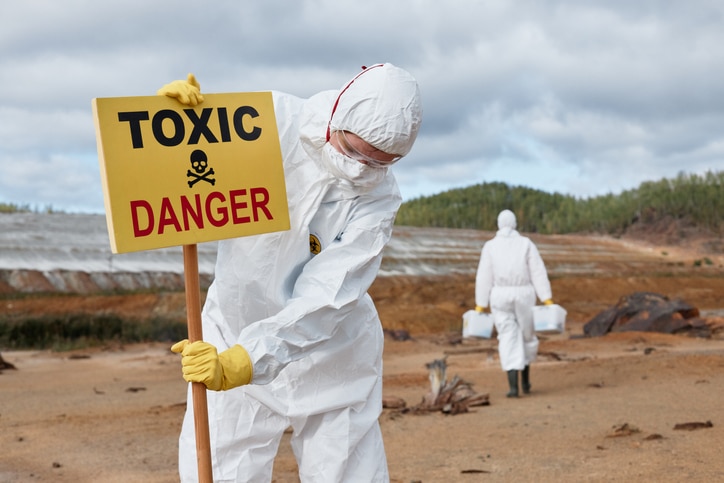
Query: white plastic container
{"points": [[476, 324], [549, 319]]}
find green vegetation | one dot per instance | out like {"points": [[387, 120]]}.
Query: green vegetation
{"points": [[705, 261], [15, 208], [699, 200], [73, 331]]}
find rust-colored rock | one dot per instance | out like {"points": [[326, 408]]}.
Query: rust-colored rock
{"points": [[5, 365], [648, 312]]}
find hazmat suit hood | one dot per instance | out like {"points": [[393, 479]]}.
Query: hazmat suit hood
{"points": [[506, 219], [381, 105], [506, 222]]}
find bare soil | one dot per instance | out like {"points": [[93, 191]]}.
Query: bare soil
{"points": [[636, 406]]}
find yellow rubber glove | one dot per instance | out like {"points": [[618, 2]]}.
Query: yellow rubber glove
{"points": [[187, 91], [201, 363], [481, 310], [548, 302]]}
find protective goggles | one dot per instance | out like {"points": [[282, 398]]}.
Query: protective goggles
{"points": [[350, 151]]}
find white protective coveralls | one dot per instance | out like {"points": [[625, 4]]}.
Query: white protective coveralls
{"points": [[510, 274], [310, 328]]}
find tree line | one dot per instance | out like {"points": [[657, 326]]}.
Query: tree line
{"points": [[25, 208], [696, 199]]}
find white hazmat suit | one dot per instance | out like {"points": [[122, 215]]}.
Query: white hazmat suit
{"points": [[297, 300], [510, 274]]}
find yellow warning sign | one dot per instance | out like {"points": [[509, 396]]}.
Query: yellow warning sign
{"points": [[179, 175]]}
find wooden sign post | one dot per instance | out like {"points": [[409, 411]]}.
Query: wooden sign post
{"points": [[198, 390], [174, 175]]}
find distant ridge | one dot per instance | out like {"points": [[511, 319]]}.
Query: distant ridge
{"points": [[692, 203]]}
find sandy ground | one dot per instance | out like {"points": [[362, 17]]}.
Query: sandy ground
{"points": [[601, 409]]}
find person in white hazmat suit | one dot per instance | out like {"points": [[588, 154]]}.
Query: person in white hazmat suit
{"points": [[292, 339], [510, 274]]}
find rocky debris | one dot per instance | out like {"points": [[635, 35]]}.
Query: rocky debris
{"points": [[73, 357], [648, 312], [5, 365], [453, 397], [693, 426], [393, 402], [397, 334], [624, 429], [653, 437]]}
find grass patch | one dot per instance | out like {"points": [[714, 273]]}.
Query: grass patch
{"points": [[76, 331]]}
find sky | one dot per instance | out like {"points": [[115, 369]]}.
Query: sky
{"points": [[579, 97]]}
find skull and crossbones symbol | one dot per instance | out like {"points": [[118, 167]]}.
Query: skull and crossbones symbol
{"points": [[199, 163]]}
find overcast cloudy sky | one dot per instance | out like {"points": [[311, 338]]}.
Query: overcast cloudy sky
{"points": [[582, 97]]}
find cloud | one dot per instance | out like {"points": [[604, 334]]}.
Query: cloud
{"points": [[70, 183], [580, 97]]}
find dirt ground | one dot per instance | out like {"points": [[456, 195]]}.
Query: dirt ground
{"points": [[601, 409]]}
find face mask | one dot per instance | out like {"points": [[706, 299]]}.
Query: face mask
{"points": [[351, 170]]}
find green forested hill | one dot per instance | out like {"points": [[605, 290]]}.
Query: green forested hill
{"points": [[699, 200]]}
